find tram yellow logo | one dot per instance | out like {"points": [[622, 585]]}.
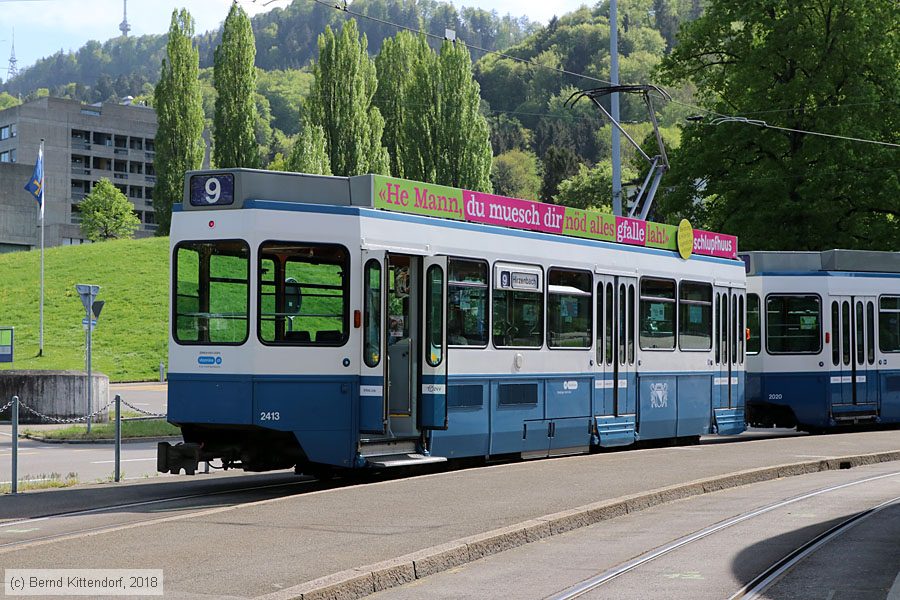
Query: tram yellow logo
{"points": [[685, 239]]}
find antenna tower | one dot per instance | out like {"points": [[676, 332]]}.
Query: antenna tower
{"points": [[124, 27], [13, 68]]}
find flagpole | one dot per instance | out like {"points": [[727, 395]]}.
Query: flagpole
{"points": [[41, 334]]}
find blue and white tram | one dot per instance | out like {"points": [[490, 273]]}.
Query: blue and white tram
{"points": [[312, 330], [824, 347]]}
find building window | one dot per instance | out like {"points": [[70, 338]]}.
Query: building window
{"points": [[5, 132], [4, 157]]}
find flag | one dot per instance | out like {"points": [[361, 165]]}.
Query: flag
{"points": [[35, 185]]}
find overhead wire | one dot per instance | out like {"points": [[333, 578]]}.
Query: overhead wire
{"points": [[724, 117]]}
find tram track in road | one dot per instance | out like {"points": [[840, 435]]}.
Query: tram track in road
{"points": [[759, 584], [180, 505]]}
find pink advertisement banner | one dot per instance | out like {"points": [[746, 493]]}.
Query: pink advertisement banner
{"points": [[412, 197]]}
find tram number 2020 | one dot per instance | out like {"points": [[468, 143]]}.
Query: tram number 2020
{"points": [[270, 416], [775, 396]]}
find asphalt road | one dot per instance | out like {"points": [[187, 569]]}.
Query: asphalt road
{"points": [[245, 549], [863, 563]]}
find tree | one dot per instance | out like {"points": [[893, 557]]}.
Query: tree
{"points": [[340, 102], [419, 154], [464, 145], [308, 154], [235, 120], [395, 65], [559, 163], [179, 115], [826, 66], [515, 174], [107, 214], [591, 188]]}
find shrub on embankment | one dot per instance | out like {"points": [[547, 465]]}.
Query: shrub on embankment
{"points": [[131, 336]]}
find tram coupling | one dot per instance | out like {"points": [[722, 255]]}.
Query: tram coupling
{"points": [[172, 459]]}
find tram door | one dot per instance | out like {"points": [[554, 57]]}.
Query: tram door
{"points": [[853, 350], [415, 369], [729, 343], [615, 382]]}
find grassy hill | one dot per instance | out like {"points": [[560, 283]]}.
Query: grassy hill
{"points": [[131, 336]]}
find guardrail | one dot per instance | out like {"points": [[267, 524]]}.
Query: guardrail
{"points": [[16, 404]]}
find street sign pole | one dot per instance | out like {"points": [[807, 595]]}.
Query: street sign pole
{"points": [[88, 293]]}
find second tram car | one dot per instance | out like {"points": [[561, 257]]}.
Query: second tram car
{"points": [[322, 322], [824, 346]]}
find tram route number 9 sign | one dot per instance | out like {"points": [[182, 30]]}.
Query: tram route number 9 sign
{"points": [[212, 190]]}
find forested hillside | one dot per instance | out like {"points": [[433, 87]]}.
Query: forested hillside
{"points": [[285, 39]]}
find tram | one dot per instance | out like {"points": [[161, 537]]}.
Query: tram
{"points": [[373, 322], [824, 345]]}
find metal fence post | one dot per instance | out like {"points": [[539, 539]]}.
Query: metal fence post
{"points": [[118, 435], [162, 372], [15, 445]]}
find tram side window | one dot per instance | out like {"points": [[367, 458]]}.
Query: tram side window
{"points": [[753, 324], [212, 292], [793, 325], [518, 314], [372, 313], [657, 314], [467, 298], [303, 294], [889, 324], [695, 316], [569, 318]]}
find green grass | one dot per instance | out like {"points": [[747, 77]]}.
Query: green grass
{"points": [[41, 482], [107, 431], [131, 336]]}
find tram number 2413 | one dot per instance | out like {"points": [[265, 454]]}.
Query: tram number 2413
{"points": [[270, 416]]}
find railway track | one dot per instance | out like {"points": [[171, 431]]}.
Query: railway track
{"points": [[758, 586]]}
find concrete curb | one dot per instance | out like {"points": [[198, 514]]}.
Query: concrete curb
{"points": [[131, 440], [362, 581]]}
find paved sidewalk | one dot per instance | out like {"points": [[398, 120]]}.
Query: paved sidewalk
{"points": [[259, 548]]}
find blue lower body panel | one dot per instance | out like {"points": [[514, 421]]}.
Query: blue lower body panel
{"points": [[322, 412], [730, 421], [615, 431]]}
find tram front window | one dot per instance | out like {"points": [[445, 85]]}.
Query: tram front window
{"points": [[211, 292], [304, 294]]}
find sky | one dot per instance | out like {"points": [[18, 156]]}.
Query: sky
{"points": [[42, 27]]}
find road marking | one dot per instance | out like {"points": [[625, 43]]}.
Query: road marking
{"points": [[109, 462], [20, 530]]}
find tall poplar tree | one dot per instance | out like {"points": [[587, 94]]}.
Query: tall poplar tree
{"points": [[420, 130], [464, 159], [234, 135], [395, 64], [308, 154], [340, 101], [179, 115]]}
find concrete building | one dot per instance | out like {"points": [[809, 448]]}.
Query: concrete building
{"points": [[82, 144]]}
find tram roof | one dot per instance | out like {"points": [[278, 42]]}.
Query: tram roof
{"points": [[228, 189], [863, 261]]}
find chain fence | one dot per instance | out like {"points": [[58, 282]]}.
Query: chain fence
{"points": [[117, 401]]}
